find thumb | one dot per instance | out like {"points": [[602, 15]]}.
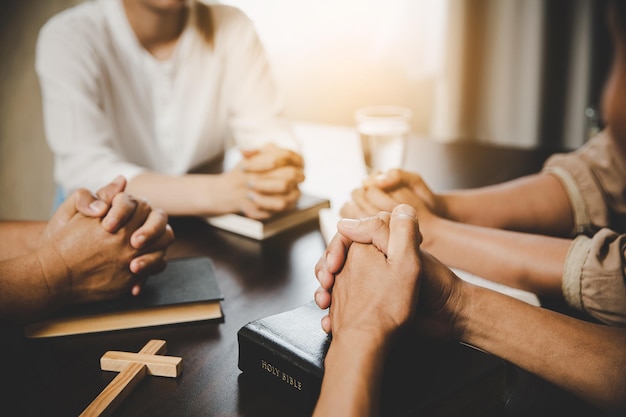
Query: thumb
{"points": [[110, 190], [404, 234], [86, 204], [369, 230]]}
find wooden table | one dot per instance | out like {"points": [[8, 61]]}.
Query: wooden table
{"points": [[60, 377]]}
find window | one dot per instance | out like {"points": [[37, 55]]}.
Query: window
{"points": [[332, 56]]}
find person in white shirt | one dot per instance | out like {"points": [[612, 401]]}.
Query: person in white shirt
{"points": [[157, 91]]}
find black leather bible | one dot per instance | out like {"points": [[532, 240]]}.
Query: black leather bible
{"points": [[186, 291], [284, 354]]}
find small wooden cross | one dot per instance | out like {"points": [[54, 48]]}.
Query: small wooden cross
{"points": [[132, 367]]}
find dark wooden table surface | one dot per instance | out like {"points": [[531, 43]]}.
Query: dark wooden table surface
{"points": [[61, 376]]}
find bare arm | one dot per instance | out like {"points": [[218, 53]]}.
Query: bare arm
{"points": [[581, 357], [192, 194], [536, 203], [586, 359], [521, 260], [24, 292], [264, 183], [352, 377], [20, 237]]}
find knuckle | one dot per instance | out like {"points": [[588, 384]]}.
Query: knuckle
{"points": [[169, 232], [143, 203], [83, 192], [160, 213], [125, 199]]}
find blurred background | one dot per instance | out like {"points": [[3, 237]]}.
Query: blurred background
{"points": [[508, 72]]}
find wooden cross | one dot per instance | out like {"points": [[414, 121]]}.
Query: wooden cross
{"points": [[132, 367]]}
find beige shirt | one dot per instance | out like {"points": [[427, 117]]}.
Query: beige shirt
{"points": [[594, 177]]}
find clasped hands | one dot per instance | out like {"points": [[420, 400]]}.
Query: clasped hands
{"points": [[266, 181], [376, 280], [382, 191], [100, 247]]}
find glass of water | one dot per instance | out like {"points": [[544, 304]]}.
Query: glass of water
{"points": [[384, 131]]}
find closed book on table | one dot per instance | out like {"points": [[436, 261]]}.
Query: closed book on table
{"points": [[306, 210], [186, 291], [284, 354]]}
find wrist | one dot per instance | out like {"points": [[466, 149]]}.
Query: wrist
{"points": [[56, 274], [213, 194], [441, 205], [445, 301], [374, 338], [232, 189], [430, 225], [33, 237], [41, 235], [363, 346], [479, 308], [463, 310]]}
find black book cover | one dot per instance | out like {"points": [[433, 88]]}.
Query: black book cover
{"points": [[284, 354], [187, 290]]}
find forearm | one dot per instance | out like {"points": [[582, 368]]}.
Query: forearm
{"points": [[187, 195], [521, 260], [19, 237], [353, 370], [536, 203], [29, 287], [584, 358]]}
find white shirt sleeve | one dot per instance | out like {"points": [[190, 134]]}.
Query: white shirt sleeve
{"points": [[77, 129], [256, 115]]}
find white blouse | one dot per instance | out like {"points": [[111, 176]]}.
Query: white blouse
{"points": [[112, 108]]}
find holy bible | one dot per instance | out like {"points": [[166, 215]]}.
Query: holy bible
{"points": [[284, 354], [186, 291]]}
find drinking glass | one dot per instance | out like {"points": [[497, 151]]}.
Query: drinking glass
{"points": [[384, 132]]}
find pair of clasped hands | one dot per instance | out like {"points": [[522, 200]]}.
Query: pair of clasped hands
{"points": [[266, 181], [387, 246], [103, 246]]}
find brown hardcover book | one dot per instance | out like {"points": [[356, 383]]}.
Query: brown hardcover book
{"points": [[186, 291], [284, 354], [306, 210]]}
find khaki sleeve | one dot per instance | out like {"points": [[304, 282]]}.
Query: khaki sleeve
{"points": [[594, 178], [593, 277]]}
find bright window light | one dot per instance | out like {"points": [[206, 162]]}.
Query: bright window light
{"points": [[333, 56], [409, 33]]}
